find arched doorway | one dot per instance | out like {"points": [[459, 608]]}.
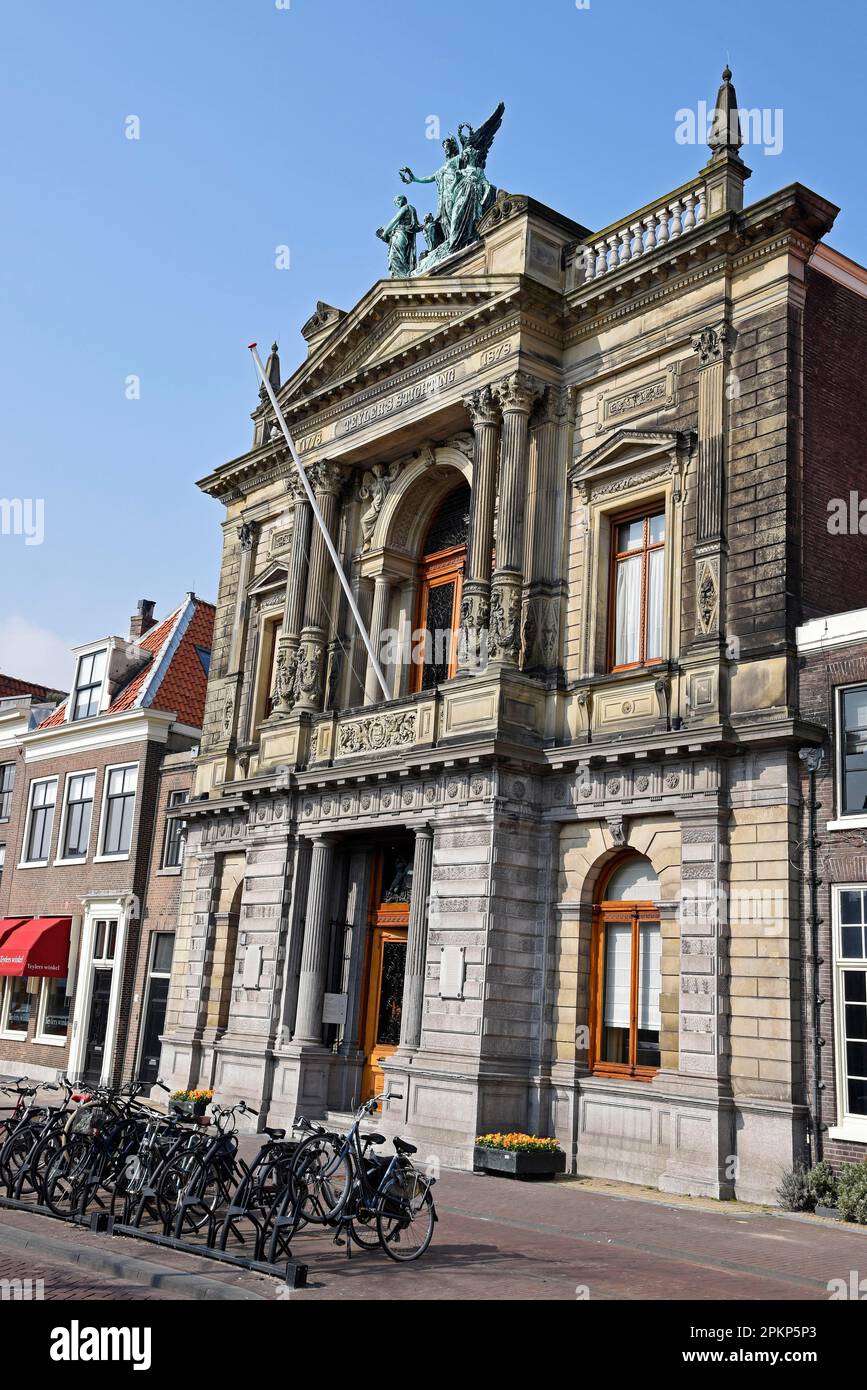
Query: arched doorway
{"points": [[626, 971], [441, 572]]}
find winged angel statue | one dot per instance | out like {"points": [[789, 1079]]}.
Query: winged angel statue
{"points": [[464, 195]]}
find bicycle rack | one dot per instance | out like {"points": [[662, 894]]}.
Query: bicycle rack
{"points": [[293, 1272]]}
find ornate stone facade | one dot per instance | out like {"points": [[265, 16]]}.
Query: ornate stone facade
{"points": [[574, 389]]}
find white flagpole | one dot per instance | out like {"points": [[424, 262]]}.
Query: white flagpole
{"points": [[305, 483]]}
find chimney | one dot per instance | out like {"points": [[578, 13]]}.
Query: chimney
{"points": [[142, 620]]}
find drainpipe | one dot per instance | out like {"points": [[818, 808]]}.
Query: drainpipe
{"points": [[812, 759]]}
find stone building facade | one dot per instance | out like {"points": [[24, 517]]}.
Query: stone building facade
{"points": [[549, 884]]}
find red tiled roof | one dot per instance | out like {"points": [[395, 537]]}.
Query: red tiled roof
{"points": [[174, 679], [9, 686]]}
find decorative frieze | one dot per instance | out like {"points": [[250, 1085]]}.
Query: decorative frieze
{"points": [[389, 730]]}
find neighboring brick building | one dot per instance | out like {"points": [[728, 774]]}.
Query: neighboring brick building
{"points": [[833, 693], [78, 842]]}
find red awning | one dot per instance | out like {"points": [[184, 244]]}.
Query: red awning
{"points": [[38, 947], [8, 925]]}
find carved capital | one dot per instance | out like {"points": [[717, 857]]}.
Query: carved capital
{"points": [[327, 477], [247, 535], [482, 407], [713, 343], [518, 393]]}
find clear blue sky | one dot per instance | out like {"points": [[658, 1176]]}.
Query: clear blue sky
{"points": [[263, 126]]}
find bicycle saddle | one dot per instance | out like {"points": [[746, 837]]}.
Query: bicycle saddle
{"points": [[374, 1138], [275, 1133], [404, 1148]]}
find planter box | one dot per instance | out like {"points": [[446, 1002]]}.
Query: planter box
{"points": [[513, 1163]]}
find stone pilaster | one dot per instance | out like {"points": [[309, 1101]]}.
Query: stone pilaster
{"points": [[703, 1026], [314, 955], [416, 944], [484, 412], [327, 481], [293, 610], [712, 345], [382, 587], [295, 935], [516, 395]]}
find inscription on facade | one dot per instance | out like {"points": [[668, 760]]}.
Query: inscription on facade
{"points": [[399, 400]]}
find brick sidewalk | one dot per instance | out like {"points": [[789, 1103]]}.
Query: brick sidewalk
{"points": [[503, 1240]]}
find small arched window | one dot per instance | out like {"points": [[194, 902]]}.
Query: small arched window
{"points": [[441, 572], [626, 972]]}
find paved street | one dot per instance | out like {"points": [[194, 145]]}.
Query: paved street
{"points": [[505, 1241]]}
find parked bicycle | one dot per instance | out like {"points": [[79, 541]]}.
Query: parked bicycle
{"points": [[375, 1199]]}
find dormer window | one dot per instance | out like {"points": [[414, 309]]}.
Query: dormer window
{"points": [[86, 697]]}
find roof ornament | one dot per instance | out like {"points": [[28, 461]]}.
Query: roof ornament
{"points": [[272, 371], [725, 131], [464, 194]]}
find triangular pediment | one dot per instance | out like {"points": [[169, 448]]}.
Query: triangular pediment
{"points": [[273, 577], [625, 449], [395, 322]]}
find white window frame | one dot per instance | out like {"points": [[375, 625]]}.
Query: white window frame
{"points": [[848, 1127], [99, 857], [40, 1036], [165, 868], [9, 762], [31, 791], [64, 811], [2, 860], [853, 820], [5, 1032], [81, 653], [146, 993], [109, 908]]}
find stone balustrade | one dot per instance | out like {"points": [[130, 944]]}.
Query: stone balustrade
{"points": [[641, 233]]}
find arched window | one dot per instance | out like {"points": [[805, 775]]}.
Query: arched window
{"points": [[441, 571], [626, 974]]}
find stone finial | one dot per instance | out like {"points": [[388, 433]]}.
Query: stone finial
{"points": [[272, 367], [725, 132]]}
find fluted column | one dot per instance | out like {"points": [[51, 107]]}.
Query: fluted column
{"points": [[293, 608], [314, 953], [327, 481], [516, 395], [378, 619], [416, 941], [484, 413]]}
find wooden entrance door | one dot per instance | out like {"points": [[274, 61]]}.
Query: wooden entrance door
{"points": [[386, 962]]}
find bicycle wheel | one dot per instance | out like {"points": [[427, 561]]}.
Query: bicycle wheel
{"points": [[322, 1178], [66, 1173], [16, 1152], [189, 1175], [405, 1218]]}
